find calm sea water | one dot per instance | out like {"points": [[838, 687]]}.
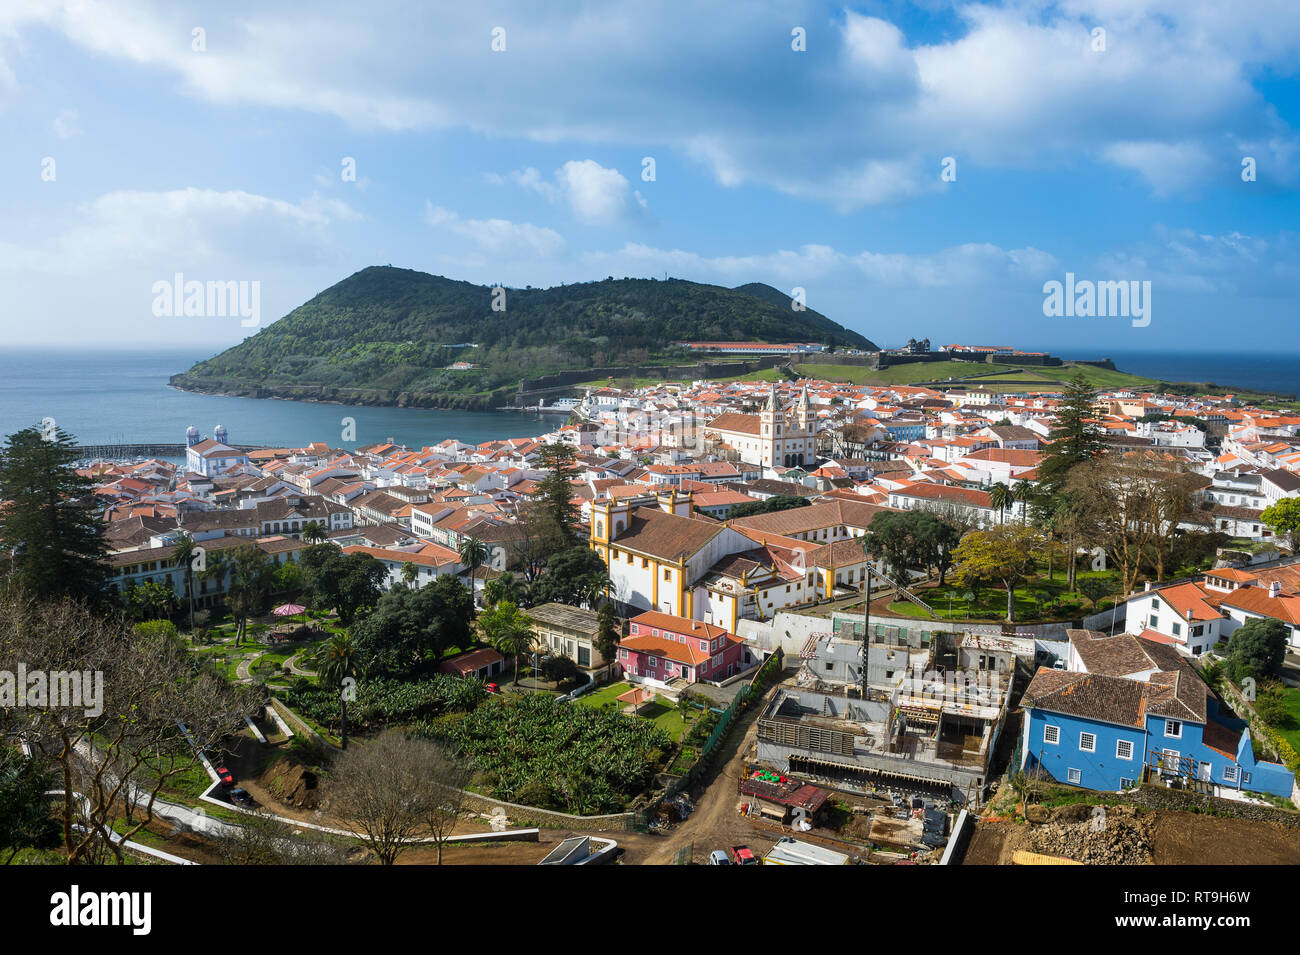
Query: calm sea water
{"points": [[1273, 372], [119, 397]]}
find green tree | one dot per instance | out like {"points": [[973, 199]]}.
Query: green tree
{"points": [[25, 819], [473, 553], [1000, 498], [314, 532], [410, 629], [347, 583], [905, 539], [508, 630], [1256, 649], [574, 576], [777, 502], [1076, 439], [1284, 517], [554, 516], [1004, 554], [149, 601], [1094, 588], [52, 537], [410, 574], [609, 632], [251, 577], [506, 587], [340, 660], [183, 555]]}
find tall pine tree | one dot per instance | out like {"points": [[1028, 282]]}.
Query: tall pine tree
{"points": [[552, 519], [1077, 438], [51, 542]]}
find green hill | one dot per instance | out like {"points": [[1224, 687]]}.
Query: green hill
{"points": [[386, 336]]}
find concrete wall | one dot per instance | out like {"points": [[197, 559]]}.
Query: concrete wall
{"points": [[787, 632]]}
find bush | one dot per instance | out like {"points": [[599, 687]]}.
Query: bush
{"points": [[560, 669], [540, 752], [1271, 705], [383, 703]]}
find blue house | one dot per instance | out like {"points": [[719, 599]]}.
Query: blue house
{"points": [[1125, 703]]}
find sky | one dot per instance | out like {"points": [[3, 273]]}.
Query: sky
{"points": [[916, 169]]}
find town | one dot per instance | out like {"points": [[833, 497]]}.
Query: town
{"points": [[792, 621]]}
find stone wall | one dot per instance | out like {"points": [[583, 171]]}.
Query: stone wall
{"points": [[1158, 797], [618, 822]]}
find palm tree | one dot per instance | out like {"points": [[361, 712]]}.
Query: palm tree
{"points": [[1024, 492], [183, 556], [473, 554], [509, 631], [1001, 497], [313, 532], [251, 574], [337, 662]]}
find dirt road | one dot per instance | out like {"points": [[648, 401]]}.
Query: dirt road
{"points": [[715, 823]]}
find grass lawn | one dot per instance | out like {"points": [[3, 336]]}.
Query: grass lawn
{"points": [[1290, 730], [606, 694], [661, 712], [992, 604]]}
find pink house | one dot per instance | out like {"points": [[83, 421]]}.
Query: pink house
{"points": [[662, 647]]}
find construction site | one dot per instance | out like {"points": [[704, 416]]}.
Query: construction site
{"points": [[864, 716]]}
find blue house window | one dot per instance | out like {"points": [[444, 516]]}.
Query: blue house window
{"points": [[1075, 775], [1051, 734], [1088, 742], [1173, 728], [1230, 774], [1123, 749]]}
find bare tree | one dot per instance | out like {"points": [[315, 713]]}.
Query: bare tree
{"points": [[391, 788], [126, 712], [447, 797], [263, 839]]}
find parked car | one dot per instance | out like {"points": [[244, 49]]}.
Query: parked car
{"points": [[225, 776], [240, 797], [493, 688], [719, 857], [743, 855]]}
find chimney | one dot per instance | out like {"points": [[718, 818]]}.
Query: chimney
{"points": [[1148, 586], [1275, 589]]}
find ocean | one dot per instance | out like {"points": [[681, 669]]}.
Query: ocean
{"points": [[122, 397], [1277, 372]]}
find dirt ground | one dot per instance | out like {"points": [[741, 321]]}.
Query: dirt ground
{"points": [[714, 824], [1184, 838], [1179, 838]]}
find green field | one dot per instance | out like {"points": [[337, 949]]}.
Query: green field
{"points": [[1290, 731], [662, 712]]}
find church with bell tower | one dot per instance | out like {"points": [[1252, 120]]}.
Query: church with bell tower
{"points": [[776, 437]]}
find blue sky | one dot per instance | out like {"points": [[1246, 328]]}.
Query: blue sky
{"points": [[817, 168]]}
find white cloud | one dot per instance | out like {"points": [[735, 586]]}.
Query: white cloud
{"points": [[1169, 167], [497, 237], [859, 119], [595, 195], [960, 266], [65, 124], [170, 229]]}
